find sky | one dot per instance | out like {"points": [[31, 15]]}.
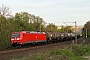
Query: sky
{"points": [[53, 11]]}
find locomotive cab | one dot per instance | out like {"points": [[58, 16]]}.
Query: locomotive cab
{"points": [[16, 38]]}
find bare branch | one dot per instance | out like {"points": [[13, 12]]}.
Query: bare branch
{"points": [[4, 11]]}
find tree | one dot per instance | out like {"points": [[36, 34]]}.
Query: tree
{"points": [[51, 27], [4, 28], [68, 29], [62, 29], [87, 27], [5, 11], [22, 21], [38, 23]]}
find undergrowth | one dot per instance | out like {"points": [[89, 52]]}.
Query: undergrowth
{"points": [[74, 52]]}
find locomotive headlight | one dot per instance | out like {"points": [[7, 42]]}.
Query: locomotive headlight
{"points": [[12, 39], [18, 38]]}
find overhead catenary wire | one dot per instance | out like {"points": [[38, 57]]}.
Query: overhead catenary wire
{"points": [[75, 29]]}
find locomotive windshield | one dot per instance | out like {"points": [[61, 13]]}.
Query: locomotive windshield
{"points": [[15, 35]]}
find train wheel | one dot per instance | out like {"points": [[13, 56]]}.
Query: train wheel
{"points": [[49, 41], [14, 45]]}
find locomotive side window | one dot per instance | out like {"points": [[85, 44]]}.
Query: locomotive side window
{"points": [[15, 35]]}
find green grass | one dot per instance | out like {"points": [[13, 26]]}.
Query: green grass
{"points": [[75, 52]]}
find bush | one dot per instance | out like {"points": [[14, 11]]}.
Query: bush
{"points": [[74, 52], [79, 50], [65, 52]]}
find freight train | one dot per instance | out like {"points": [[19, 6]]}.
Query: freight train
{"points": [[26, 37]]}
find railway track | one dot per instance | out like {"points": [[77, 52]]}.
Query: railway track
{"points": [[9, 54]]}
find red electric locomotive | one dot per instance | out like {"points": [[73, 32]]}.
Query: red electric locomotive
{"points": [[23, 37]]}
